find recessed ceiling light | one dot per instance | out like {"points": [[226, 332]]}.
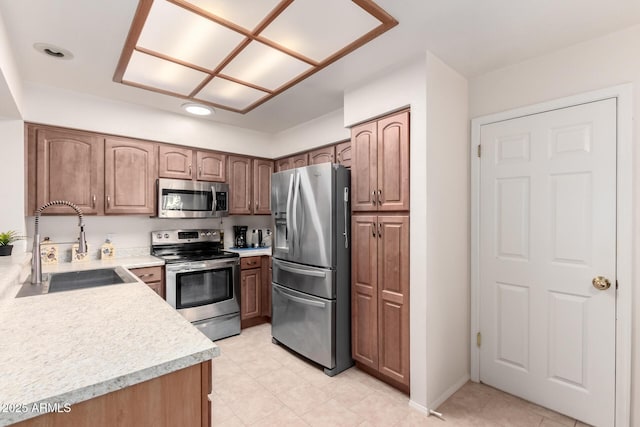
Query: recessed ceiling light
{"points": [[53, 51], [197, 109]]}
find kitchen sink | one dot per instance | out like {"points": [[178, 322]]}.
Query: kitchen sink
{"points": [[74, 280]]}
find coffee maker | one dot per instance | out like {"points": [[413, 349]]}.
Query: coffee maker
{"points": [[240, 236]]}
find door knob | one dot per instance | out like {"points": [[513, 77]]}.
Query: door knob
{"points": [[601, 283]]}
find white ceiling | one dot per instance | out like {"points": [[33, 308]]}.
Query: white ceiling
{"points": [[471, 36]]}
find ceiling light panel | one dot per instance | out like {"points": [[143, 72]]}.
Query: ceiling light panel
{"points": [[318, 29], [225, 92], [264, 66], [245, 13], [150, 71], [180, 34]]}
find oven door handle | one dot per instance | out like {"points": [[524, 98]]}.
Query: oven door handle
{"points": [[304, 301]]}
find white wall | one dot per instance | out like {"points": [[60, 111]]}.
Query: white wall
{"points": [[59, 107], [448, 234], [595, 64], [10, 83], [401, 88], [12, 179], [323, 130]]}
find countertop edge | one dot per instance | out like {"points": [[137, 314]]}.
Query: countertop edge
{"points": [[100, 389]]}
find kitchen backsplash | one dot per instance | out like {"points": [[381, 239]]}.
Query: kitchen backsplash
{"points": [[129, 234]]}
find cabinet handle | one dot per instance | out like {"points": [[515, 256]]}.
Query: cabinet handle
{"points": [[373, 229], [373, 197], [380, 197], [380, 230], [145, 275], [108, 201], [199, 170], [93, 201], [256, 205], [189, 170]]}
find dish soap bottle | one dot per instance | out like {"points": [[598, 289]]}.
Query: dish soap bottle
{"points": [[107, 250]]}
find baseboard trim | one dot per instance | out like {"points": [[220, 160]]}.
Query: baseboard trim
{"points": [[449, 392], [418, 407]]}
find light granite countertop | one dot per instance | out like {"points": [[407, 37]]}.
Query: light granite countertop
{"points": [[246, 252], [67, 347], [13, 271]]}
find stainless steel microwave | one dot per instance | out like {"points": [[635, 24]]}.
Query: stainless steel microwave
{"points": [[192, 199]]}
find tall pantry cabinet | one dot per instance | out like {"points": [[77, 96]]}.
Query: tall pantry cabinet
{"points": [[380, 248]]}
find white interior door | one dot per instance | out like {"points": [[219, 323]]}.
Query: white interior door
{"points": [[547, 228]]}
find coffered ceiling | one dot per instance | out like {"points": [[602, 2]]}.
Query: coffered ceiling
{"points": [[471, 36]]}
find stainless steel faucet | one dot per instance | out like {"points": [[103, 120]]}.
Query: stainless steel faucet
{"points": [[36, 262]]}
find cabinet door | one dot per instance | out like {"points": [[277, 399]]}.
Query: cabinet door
{"points": [[393, 297], [175, 162], [240, 185], [364, 176], [262, 170], [284, 164], [299, 160], [266, 286], [250, 293], [364, 290], [211, 166], [130, 175], [343, 154], [322, 155], [69, 166], [393, 163]]}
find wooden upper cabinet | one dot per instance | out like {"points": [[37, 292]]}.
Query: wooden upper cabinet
{"points": [[239, 185], [262, 170], [175, 162], [299, 160], [185, 163], [343, 154], [393, 163], [364, 169], [380, 177], [284, 164], [212, 166], [65, 165], [130, 174], [322, 155]]}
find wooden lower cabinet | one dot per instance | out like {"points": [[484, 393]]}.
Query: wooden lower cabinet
{"points": [[380, 296], [251, 293], [152, 276], [176, 399], [255, 290]]}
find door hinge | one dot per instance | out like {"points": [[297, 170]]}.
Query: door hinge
{"points": [[479, 150], [478, 339]]}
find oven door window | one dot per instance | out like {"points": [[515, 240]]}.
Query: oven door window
{"points": [[187, 200], [198, 288]]}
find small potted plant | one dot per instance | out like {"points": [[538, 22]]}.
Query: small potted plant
{"points": [[6, 240]]}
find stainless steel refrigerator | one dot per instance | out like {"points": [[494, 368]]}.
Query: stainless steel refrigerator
{"points": [[311, 264]]}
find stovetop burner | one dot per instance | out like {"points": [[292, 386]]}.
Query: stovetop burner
{"points": [[188, 245]]}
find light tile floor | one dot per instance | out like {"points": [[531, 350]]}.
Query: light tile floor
{"points": [[257, 383]]}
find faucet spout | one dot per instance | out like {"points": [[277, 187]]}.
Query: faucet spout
{"points": [[36, 262]]}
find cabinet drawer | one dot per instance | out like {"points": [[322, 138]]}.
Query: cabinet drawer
{"points": [[148, 274], [250, 262], [157, 288]]}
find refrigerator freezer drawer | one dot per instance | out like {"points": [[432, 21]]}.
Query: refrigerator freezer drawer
{"points": [[319, 282], [305, 324]]}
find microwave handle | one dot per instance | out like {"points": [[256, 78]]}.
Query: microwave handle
{"points": [[215, 200]]}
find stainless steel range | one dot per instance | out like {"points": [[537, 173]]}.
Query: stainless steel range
{"points": [[202, 280]]}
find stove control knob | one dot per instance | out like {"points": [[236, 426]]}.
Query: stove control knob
{"points": [[166, 235], [159, 235], [202, 234], [208, 233]]}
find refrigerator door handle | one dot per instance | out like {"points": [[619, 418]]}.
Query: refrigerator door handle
{"points": [[288, 213], [346, 215], [300, 300], [294, 211], [301, 271]]}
